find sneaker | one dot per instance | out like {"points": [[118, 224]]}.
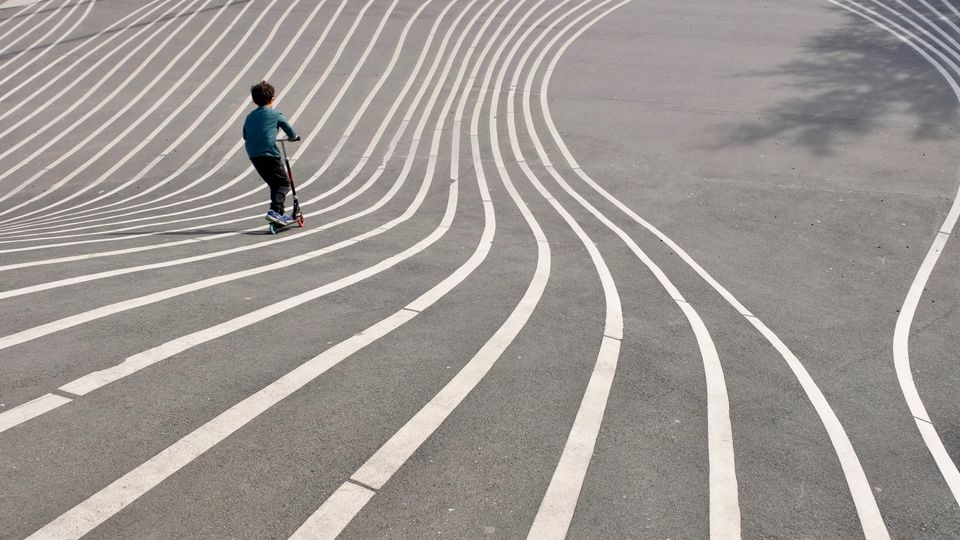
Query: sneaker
{"points": [[288, 219], [274, 217]]}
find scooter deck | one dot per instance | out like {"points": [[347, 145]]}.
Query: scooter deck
{"points": [[275, 228]]}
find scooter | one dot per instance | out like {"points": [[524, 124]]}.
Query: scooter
{"points": [[296, 214]]}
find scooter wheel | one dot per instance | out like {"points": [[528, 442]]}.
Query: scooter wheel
{"points": [[300, 221], [273, 229]]}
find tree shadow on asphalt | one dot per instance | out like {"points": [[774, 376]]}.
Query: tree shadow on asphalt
{"points": [[849, 82]]}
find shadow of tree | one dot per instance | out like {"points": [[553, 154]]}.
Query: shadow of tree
{"points": [[849, 82]]}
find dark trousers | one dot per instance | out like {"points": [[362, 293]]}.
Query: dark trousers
{"points": [[273, 172]]}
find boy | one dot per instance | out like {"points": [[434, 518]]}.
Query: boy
{"points": [[260, 139]]}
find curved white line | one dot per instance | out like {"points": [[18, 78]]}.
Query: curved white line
{"points": [[169, 116], [48, 46], [135, 363], [33, 27], [901, 333], [183, 76], [867, 510], [48, 101], [374, 142], [105, 100], [557, 507], [115, 31], [19, 13], [102, 505], [367, 154], [105, 503], [49, 142], [346, 502], [307, 141], [193, 211]]}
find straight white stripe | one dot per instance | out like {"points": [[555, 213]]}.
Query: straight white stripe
{"points": [[335, 514], [867, 510], [31, 409]]}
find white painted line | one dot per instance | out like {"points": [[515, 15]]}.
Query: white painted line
{"points": [[867, 510], [556, 510], [901, 353], [383, 201], [238, 146], [139, 361], [398, 449], [330, 66], [131, 365], [168, 16], [302, 147], [348, 500], [104, 100], [63, 132], [46, 47], [200, 118], [724, 499], [17, 3], [87, 515], [33, 26], [183, 76], [114, 29], [31, 409], [19, 14]]}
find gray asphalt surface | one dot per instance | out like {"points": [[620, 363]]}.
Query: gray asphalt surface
{"points": [[801, 156]]}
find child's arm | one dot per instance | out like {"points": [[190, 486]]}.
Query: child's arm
{"points": [[287, 128]]}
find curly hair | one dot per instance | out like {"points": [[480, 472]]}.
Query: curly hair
{"points": [[262, 93]]}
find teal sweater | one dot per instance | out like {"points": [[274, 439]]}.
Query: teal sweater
{"points": [[260, 132]]}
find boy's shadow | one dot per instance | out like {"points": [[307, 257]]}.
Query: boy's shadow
{"points": [[192, 232]]}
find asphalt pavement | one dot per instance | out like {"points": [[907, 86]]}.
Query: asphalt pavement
{"points": [[570, 268]]}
